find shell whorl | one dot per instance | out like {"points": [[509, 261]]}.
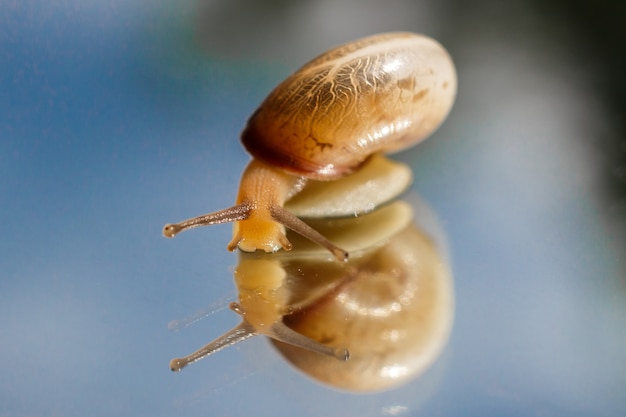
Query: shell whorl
{"points": [[378, 94]]}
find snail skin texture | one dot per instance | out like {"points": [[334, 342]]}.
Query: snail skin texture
{"points": [[375, 95], [389, 308]]}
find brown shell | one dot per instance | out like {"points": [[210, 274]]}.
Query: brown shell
{"points": [[378, 94]]}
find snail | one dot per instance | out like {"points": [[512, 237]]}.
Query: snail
{"points": [[326, 122], [388, 308]]}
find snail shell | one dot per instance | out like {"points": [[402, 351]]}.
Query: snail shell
{"points": [[375, 95], [389, 308], [382, 93]]}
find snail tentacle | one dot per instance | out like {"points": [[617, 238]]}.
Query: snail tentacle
{"points": [[231, 214], [289, 220]]}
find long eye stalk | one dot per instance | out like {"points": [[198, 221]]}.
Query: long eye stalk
{"points": [[287, 219], [231, 214]]}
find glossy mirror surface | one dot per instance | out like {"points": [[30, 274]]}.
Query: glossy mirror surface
{"points": [[117, 117]]}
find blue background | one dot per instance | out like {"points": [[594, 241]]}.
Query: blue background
{"points": [[117, 117]]}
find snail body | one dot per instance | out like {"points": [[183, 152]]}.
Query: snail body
{"points": [[388, 309], [379, 94]]}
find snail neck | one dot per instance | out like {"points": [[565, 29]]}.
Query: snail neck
{"points": [[263, 188], [262, 194]]}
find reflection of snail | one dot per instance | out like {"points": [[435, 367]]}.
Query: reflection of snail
{"points": [[390, 306], [378, 94]]}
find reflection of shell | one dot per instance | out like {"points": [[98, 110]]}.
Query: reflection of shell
{"points": [[392, 311], [390, 305]]}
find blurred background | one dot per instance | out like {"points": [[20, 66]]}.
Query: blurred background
{"points": [[117, 117]]}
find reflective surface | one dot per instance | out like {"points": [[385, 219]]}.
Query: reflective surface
{"points": [[114, 122]]}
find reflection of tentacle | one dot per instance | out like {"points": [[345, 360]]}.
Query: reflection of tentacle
{"points": [[284, 334], [238, 334], [214, 307]]}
